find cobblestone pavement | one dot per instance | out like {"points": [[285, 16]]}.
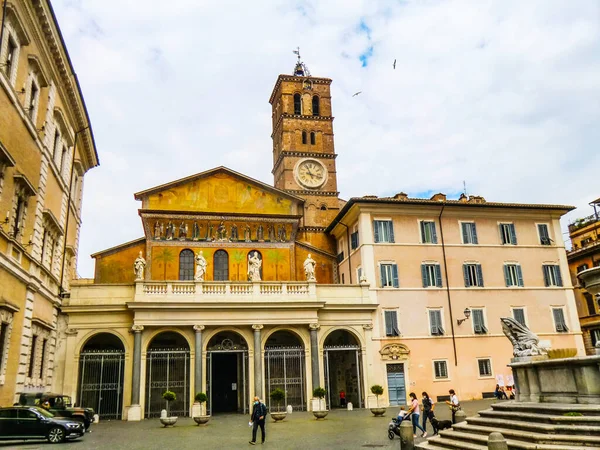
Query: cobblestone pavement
{"points": [[341, 429]]}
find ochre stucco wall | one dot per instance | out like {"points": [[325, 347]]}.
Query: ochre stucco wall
{"points": [[117, 267]]}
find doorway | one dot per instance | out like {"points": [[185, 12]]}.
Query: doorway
{"points": [[225, 392], [396, 384], [343, 370]]}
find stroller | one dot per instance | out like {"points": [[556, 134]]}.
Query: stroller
{"points": [[394, 426]]}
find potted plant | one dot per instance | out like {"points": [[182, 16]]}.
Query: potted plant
{"points": [[199, 414], [320, 412], [277, 395], [165, 419], [377, 390]]}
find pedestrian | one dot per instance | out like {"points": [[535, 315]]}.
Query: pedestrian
{"points": [[415, 412], [342, 399], [453, 403], [428, 407], [259, 413]]}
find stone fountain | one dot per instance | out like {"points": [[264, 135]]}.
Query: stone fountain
{"points": [[590, 280]]}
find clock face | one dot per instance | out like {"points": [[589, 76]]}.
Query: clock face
{"points": [[311, 173]]}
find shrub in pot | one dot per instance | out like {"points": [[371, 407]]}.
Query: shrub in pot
{"points": [[201, 418], [277, 395], [168, 396], [320, 393], [377, 390]]}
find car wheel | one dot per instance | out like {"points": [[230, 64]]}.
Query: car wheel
{"points": [[56, 435], [390, 434]]}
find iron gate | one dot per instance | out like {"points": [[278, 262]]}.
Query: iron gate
{"points": [[284, 368], [355, 349], [101, 382], [244, 369], [167, 369]]}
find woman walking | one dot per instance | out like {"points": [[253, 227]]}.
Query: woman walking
{"points": [[453, 403], [428, 407], [415, 412]]}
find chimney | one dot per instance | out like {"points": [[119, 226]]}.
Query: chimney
{"points": [[476, 199], [463, 198], [401, 196], [439, 197]]}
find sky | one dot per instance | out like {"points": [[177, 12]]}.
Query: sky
{"points": [[501, 97]]}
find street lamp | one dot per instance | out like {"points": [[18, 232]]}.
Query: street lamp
{"points": [[467, 313]]}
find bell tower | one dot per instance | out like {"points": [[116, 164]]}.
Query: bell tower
{"points": [[303, 148]]}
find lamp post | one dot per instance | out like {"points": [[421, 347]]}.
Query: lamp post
{"points": [[467, 313]]}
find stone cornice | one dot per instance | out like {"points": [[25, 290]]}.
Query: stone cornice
{"points": [[314, 193], [299, 116], [282, 77], [293, 154]]}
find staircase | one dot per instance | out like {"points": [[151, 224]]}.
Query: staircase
{"points": [[539, 426]]}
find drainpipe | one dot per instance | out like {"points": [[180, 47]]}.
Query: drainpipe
{"points": [[448, 285], [2, 26], [348, 239], [64, 252]]}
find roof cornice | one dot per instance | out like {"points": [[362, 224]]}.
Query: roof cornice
{"points": [[282, 77]]}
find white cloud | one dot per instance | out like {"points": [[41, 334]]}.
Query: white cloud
{"points": [[502, 94]]}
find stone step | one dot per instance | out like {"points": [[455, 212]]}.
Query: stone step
{"points": [[463, 438], [444, 443], [542, 418], [507, 430], [536, 427], [547, 408]]}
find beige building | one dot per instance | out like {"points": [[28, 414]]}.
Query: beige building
{"points": [[236, 287], [46, 147]]}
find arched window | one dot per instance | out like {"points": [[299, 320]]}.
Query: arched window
{"points": [[221, 266], [304, 137], [313, 138], [297, 104], [315, 106], [186, 265]]}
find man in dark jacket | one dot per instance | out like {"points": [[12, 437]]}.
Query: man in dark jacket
{"points": [[259, 414]]}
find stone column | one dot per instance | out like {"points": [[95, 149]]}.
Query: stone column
{"points": [[135, 410], [198, 359], [257, 362], [314, 354]]}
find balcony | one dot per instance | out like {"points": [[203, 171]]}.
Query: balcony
{"points": [[582, 223]]}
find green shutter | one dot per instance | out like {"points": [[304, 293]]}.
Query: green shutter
{"points": [[466, 274], [376, 230], [391, 230], [424, 275], [545, 270], [438, 275], [479, 275], [395, 275], [507, 275], [513, 234], [474, 233], [382, 274], [433, 232], [520, 275], [558, 276]]}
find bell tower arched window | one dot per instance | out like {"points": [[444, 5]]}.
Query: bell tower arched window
{"points": [[304, 137], [186, 265], [313, 138], [297, 104], [315, 106], [221, 266]]}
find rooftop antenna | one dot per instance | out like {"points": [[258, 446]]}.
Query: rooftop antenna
{"points": [[465, 187], [300, 70]]}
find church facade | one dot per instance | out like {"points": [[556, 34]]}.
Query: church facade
{"points": [[238, 287]]}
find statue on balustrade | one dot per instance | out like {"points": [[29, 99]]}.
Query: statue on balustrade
{"points": [[281, 234], [271, 232], [221, 232], [210, 230], [260, 233], [170, 233], [157, 230], [201, 265], [196, 232], [247, 234], [524, 341], [138, 267], [254, 264], [309, 268], [234, 233], [183, 229]]}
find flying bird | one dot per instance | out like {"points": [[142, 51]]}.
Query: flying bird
{"points": [[356, 93], [394, 64]]}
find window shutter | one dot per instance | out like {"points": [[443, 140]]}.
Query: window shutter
{"points": [[479, 275], [433, 322], [545, 270], [465, 234], [388, 323], [394, 317], [519, 315], [474, 233], [466, 274], [382, 274], [438, 314], [424, 275], [395, 275], [507, 275], [391, 230], [376, 230], [558, 276], [559, 319], [433, 232], [513, 234], [422, 231], [438, 275], [502, 238], [519, 275]]}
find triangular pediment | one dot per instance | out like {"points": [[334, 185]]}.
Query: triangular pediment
{"points": [[220, 190]]}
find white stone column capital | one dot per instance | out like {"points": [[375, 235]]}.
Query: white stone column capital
{"points": [[314, 326], [367, 326], [137, 328], [199, 328], [257, 327]]}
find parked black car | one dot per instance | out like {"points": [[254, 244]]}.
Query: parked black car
{"points": [[31, 422], [59, 405]]}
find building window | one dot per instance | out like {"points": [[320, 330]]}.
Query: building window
{"points": [[435, 322], [582, 267], [297, 104], [340, 257], [221, 266], [552, 275], [431, 275], [313, 138], [34, 94], [440, 369], [473, 275], [354, 240], [595, 335], [513, 275], [485, 367], [63, 160], [389, 275], [384, 230], [544, 234], [343, 279], [315, 106], [42, 362], [56, 143], [18, 223], [428, 234], [469, 233], [304, 137], [478, 321], [32, 356], [391, 323], [559, 320], [3, 344], [10, 57], [590, 303], [186, 265], [519, 315], [508, 235]]}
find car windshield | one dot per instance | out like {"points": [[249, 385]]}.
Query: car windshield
{"points": [[66, 401], [44, 413]]}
